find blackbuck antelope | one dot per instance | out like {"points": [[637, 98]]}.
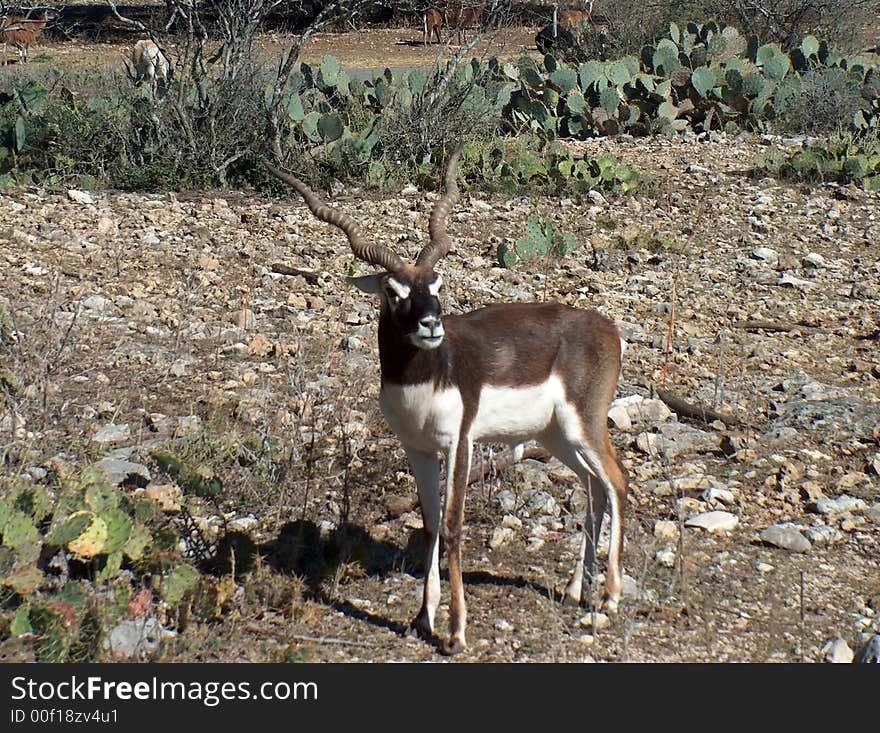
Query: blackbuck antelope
{"points": [[22, 33], [507, 373], [432, 22], [148, 63]]}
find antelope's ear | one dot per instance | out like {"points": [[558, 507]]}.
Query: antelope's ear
{"points": [[370, 284]]}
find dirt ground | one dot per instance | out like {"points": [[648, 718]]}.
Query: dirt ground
{"points": [[374, 48], [136, 307]]}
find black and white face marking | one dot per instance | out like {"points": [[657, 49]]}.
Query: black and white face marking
{"points": [[412, 304]]}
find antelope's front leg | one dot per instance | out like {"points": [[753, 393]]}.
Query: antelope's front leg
{"points": [[426, 469], [458, 467]]}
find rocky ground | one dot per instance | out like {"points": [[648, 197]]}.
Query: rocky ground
{"points": [[148, 321]]}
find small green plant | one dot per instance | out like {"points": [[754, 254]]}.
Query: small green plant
{"points": [[59, 547], [842, 157], [541, 239]]}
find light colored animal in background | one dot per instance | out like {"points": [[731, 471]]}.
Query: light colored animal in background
{"points": [[22, 33], [507, 373], [572, 20], [148, 63], [459, 18], [432, 22]]}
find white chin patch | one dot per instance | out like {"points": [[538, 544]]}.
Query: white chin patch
{"points": [[426, 342]]}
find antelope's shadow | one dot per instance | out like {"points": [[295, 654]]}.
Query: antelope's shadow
{"points": [[299, 549]]}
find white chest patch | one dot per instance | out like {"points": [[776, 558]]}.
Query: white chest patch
{"points": [[515, 414], [422, 417]]}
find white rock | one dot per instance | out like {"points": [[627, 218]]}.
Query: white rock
{"points": [[596, 621], [714, 521], [511, 521], [814, 260], [719, 496], [665, 557], [96, 303], [870, 653], [840, 505], [243, 524], [787, 536], [837, 651], [795, 282], [688, 506], [765, 254], [81, 197], [112, 433], [666, 530], [135, 636], [500, 537], [822, 536], [506, 500], [620, 417], [244, 319], [118, 470]]}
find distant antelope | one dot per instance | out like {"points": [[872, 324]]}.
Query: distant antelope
{"points": [[148, 63], [459, 18], [22, 32], [507, 372], [432, 22], [572, 20]]}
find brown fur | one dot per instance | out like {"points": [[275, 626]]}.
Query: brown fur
{"points": [[432, 21], [22, 33], [572, 20], [459, 18]]}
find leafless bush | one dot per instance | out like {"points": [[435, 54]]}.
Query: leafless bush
{"points": [[849, 25], [623, 26], [826, 101], [451, 106]]}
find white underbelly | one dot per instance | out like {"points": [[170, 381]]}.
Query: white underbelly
{"points": [[429, 419], [515, 414]]}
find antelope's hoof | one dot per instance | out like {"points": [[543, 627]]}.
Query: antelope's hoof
{"points": [[570, 600], [608, 605], [420, 628], [572, 594], [454, 646]]}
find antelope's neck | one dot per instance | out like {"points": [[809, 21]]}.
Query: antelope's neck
{"points": [[403, 363]]}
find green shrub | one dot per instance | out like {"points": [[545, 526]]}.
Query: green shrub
{"points": [[843, 157]]}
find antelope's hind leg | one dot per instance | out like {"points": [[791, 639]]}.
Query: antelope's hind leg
{"points": [[606, 485], [594, 513], [426, 469], [607, 470]]}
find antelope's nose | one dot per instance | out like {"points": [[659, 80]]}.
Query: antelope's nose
{"points": [[432, 325]]}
